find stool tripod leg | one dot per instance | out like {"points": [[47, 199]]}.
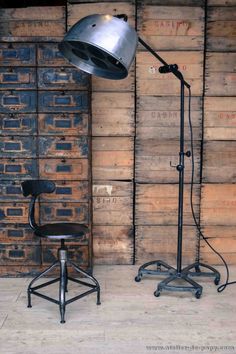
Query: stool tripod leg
{"points": [[62, 289], [78, 269], [38, 277]]}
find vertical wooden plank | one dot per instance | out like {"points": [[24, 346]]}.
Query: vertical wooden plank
{"points": [[177, 29]]}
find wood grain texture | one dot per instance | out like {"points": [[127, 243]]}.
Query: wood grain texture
{"points": [[113, 244], [219, 162], [220, 118], [157, 204], [78, 11], [223, 239], [220, 74], [171, 27], [218, 204], [159, 118], [113, 203], [151, 82], [25, 23], [221, 29], [156, 161], [112, 158], [160, 242]]}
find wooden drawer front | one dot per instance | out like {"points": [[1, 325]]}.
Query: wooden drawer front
{"points": [[63, 124], [79, 254], [60, 212], [68, 191], [157, 204], [18, 101], [63, 78], [63, 169], [18, 168], [17, 77], [171, 27], [17, 54], [17, 233], [14, 212], [17, 146], [57, 101], [11, 190], [63, 147], [48, 55], [113, 244], [20, 124], [20, 254]]}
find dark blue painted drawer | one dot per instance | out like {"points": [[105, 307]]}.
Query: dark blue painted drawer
{"points": [[69, 211], [11, 124], [17, 77], [63, 147], [57, 101], [63, 169], [18, 168], [68, 191], [49, 55], [12, 254], [17, 146], [18, 101], [17, 54], [14, 212], [17, 233], [63, 124], [63, 78], [11, 190]]}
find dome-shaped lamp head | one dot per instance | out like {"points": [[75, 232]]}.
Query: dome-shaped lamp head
{"points": [[102, 45]]}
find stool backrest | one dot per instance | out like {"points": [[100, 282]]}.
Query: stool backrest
{"points": [[35, 188]]}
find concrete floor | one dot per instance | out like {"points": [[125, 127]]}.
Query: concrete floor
{"points": [[129, 320]]}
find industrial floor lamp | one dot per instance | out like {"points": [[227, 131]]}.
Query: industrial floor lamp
{"points": [[105, 46]]}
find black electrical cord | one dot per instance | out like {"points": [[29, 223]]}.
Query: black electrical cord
{"points": [[222, 286]]}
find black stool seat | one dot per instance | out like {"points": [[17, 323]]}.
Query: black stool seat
{"points": [[59, 231]]}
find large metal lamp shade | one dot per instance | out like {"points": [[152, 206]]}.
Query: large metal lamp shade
{"points": [[102, 45]]}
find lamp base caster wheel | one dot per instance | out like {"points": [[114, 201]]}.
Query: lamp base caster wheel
{"points": [[198, 294], [157, 293], [138, 278]]}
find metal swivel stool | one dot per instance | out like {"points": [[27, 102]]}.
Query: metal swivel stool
{"points": [[62, 232]]}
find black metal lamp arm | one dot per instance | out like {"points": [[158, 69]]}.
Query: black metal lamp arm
{"points": [[167, 68]]}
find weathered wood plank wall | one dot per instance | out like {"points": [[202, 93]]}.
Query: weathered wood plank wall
{"points": [[218, 193], [135, 132]]}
